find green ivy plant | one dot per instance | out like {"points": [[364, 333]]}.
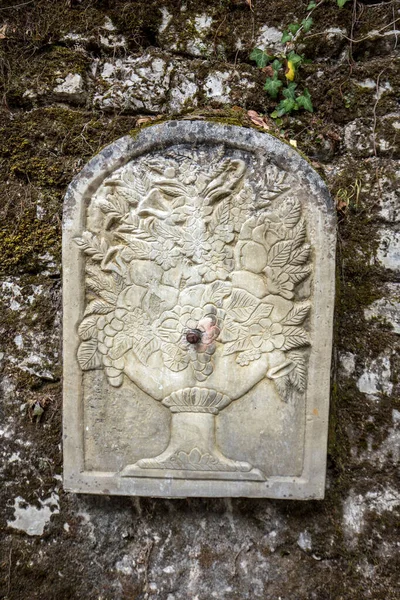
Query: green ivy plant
{"points": [[282, 68], [292, 98]]}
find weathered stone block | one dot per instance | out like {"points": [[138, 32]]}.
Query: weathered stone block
{"points": [[198, 300]]}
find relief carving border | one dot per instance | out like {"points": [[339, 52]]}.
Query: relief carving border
{"points": [[321, 226]]}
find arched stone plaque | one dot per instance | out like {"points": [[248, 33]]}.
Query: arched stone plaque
{"points": [[198, 299]]}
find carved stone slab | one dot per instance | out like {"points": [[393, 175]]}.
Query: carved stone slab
{"points": [[198, 300]]}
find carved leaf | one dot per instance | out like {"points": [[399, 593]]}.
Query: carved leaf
{"points": [[88, 356], [299, 235], [139, 248], [108, 296], [121, 344], [121, 195], [220, 215], [216, 292], [171, 188], [163, 231], [262, 311], [282, 384], [139, 187], [300, 256], [290, 213], [242, 343], [144, 348], [99, 280], [296, 315], [230, 330], [295, 337], [113, 205], [241, 305], [147, 182], [118, 283], [88, 327], [93, 285], [92, 246], [98, 307], [274, 183], [297, 273], [105, 206], [298, 377], [131, 196], [279, 254], [221, 168]]}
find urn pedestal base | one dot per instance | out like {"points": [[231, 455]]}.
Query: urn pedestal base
{"points": [[192, 453]]}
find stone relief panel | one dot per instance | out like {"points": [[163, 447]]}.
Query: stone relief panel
{"points": [[197, 276]]}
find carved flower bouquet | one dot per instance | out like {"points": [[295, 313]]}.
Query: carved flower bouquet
{"points": [[192, 270]]}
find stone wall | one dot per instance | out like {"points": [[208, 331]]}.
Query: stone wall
{"points": [[77, 75]]}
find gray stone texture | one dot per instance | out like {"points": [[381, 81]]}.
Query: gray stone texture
{"points": [[111, 548]]}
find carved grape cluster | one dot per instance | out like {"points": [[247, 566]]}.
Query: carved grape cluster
{"points": [[108, 327]]}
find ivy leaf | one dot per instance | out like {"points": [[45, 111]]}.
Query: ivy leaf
{"points": [[276, 65], [230, 331], [286, 106], [294, 27], [145, 349], [341, 3], [289, 92], [311, 5], [304, 101], [296, 59], [260, 57], [217, 292], [262, 311], [286, 37], [273, 85], [307, 24]]}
